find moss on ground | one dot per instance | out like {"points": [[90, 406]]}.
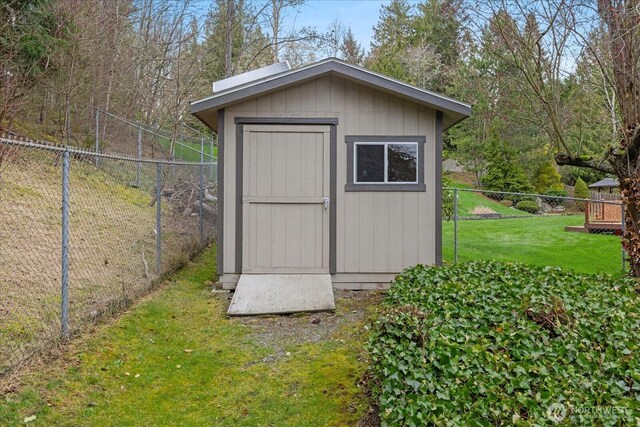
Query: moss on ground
{"points": [[175, 359]]}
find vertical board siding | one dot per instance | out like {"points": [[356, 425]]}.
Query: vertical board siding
{"points": [[396, 232], [229, 206], [338, 94], [323, 95], [376, 231], [427, 205]]}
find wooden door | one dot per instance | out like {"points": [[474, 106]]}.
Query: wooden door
{"points": [[285, 199]]}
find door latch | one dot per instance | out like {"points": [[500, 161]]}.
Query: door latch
{"points": [[325, 202]]}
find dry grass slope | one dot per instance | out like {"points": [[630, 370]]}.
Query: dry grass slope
{"points": [[112, 248]]}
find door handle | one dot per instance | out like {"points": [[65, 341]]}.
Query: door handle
{"points": [[325, 202]]}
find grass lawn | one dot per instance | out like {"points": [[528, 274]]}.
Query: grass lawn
{"points": [[537, 240], [187, 155], [175, 359], [468, 201]]}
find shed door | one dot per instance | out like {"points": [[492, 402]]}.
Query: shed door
{"points": [[285, 199]]}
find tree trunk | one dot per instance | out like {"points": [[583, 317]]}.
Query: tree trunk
{"points": [[275, 30], [624, 163], [228, 43], [112, 64], [631, 237]]}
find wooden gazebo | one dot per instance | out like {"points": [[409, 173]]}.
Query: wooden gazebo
{"points": [[603, 212]]}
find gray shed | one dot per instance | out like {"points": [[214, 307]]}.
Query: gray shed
{"points": [[327, 171]]}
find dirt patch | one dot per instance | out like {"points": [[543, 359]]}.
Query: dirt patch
{"points": [[280, 332], [463, 177]]}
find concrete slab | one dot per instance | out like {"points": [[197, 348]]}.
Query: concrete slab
{"points": [[281, 293]]}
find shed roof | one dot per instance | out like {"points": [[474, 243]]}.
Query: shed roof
{"points": [[206, 109], [607, 182]]}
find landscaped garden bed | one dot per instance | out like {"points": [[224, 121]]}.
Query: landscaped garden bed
{"points": [[488, 343]]}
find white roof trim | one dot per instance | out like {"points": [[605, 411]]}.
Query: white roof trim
{"points": [[250, 76]]}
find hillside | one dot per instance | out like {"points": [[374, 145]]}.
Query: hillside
{"points": [[112, 245]]}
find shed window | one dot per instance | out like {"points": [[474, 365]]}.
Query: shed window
{"points": [[385, 163]]}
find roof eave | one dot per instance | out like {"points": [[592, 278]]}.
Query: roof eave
{"points": [[455, 111]]}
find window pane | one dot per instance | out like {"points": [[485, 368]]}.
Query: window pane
{"points": [[403, 160], [370, 163]]}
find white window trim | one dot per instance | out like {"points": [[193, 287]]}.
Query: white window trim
{"points": [[386, 162]]}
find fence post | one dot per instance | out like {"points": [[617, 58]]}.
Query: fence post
{"points": [[455, 226], [624, 255], [201, 192], [158, 218], [97, 134], [139, 164], [64, 312]]}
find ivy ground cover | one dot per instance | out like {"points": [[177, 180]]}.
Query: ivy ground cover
{"points": [[489, 343]]}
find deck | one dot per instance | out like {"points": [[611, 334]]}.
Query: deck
{"points": [[603, 216]]}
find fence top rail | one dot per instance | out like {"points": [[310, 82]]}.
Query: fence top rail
{"points": [[544, 196], [50, 146]]}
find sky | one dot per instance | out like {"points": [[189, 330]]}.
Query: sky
{"points": [[360, 15]]}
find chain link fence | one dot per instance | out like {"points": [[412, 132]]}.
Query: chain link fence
{"points": [[136, 139], [542, 229], [83, 235]]}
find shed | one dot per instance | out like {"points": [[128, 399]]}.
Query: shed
{"points": [[329, 173], [609, 185]]}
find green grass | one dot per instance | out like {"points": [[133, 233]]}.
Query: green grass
{"points": [[136, 371], [468, 201], [539, 240], [187, 155]]}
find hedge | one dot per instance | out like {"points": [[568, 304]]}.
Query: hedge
{"points": [[528, 206], [487, 343]]}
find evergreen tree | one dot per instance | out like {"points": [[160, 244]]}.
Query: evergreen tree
{"points": [[351, 50], [547, 178], [29, 34], [418, 45], [249, 43], [437, 23], [504, 172], [437, 36], [391, 36], [581, 191]]}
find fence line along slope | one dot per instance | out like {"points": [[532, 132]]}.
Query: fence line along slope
{"points": [[121, 237]]}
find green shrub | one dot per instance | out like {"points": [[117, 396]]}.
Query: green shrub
{"points": [[488, 343], [581, 191], [553, 199], [528, 206], [546, 177], [447, 199], [507, 203], [515, 199]]}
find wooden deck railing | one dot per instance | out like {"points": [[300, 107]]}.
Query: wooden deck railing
{"points": [[598, 212]]}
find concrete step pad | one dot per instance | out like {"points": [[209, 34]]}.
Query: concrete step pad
{"points": [[281, 294]]}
